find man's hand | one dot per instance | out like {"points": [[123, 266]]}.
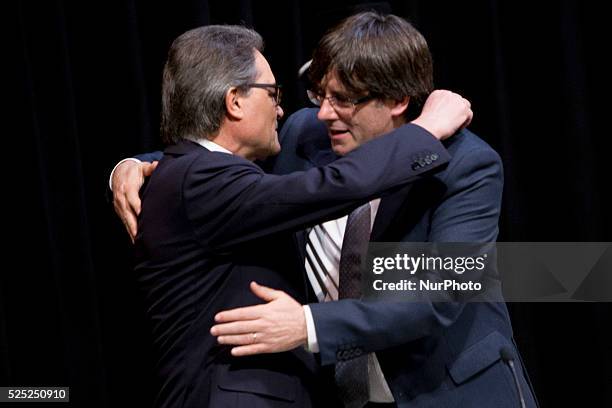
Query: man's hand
{"points": [[444, 114], [276, 326], [127, 179]]}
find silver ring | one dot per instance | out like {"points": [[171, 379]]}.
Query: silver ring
{"points": [[254, 337]]}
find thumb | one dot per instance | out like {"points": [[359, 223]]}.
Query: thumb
{"points": [[148, 168], [264, 292]]}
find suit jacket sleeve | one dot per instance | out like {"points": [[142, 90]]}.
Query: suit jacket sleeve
{"points": [[469, 213], [150, 157], [235, 202]]}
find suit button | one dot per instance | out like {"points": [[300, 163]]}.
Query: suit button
{"points": [[415, 166], [358, 352], [428, 159], [434, 156]]}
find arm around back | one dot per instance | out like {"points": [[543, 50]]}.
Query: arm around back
{"points": [[253, 204]]}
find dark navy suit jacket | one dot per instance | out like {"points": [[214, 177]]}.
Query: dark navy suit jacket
{"points": [[213, 222], [432, 354]]}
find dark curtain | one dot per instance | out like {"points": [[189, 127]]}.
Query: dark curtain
{"points": [[83, 91]]}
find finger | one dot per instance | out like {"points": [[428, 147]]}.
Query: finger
{"points": [[133, 200], [264, 292], [127, 212], [238, 339], [131, 224], [468, 120], [119, 201], [149, 168], [249, 350], [122, 212], [129, 231], [240, 314], [118, 206], [232, 328]]}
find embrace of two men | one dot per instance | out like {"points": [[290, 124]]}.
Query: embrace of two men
{"points": [[383, 158]]}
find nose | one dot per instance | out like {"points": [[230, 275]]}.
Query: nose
{"points": [[279, 112], [326, 111]]}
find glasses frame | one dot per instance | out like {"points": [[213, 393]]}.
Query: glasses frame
{"points": [[317, 100], [276, 95]]}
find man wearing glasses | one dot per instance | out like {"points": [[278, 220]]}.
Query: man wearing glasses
{"points": [[212, 221], [370, 75]]}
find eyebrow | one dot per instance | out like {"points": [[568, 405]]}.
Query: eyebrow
{"points": [[343, 95]]}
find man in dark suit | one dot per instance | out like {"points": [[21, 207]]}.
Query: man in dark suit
{"points": [[419, 354], [212, 221]]}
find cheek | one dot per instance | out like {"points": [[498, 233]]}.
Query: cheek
{"points": [[367, 131], [358, 136]]}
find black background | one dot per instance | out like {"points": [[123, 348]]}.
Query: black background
{"points": [[82, 91]]}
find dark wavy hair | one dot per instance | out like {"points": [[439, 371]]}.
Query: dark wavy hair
{"points": [[377, 54]]}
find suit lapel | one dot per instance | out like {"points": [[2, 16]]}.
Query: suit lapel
{"points": [[299, 239], [406, 208], [300, 242], [390, 206]]}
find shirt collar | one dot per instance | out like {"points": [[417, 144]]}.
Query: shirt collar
{"points": [[212, 146]]}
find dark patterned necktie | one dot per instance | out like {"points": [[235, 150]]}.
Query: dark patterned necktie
{"points": [[352, 375]]}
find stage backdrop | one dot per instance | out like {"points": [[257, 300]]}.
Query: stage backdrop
{"points": [[83, 91]]}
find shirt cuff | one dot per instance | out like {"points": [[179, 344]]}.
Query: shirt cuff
{"points": [[313, 345], [110, 179]]}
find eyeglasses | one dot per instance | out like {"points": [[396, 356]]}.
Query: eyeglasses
{"points": [[276, 94], [337, 101]]}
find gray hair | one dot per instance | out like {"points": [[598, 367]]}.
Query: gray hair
{"points": [[202, 65]]}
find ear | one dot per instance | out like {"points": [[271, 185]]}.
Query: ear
{"points": [[398, 108], [234, 104]]}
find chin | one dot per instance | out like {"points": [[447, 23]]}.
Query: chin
{"points": [[272, 151], [341, 149], [275, 149]]}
